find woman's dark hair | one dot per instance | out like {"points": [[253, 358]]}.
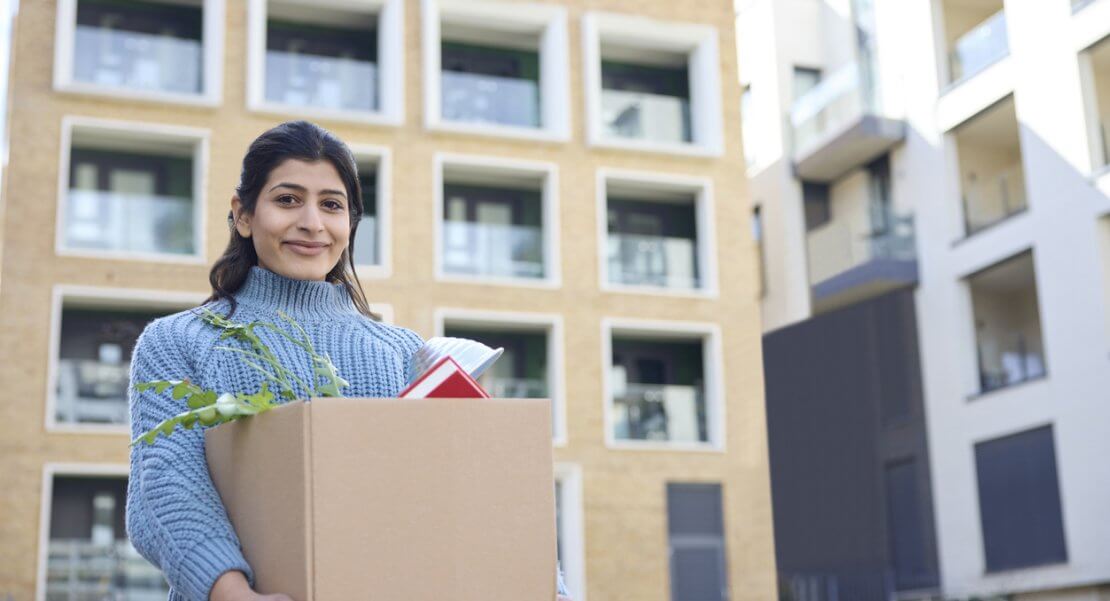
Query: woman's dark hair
{"points": [[291, 140]]}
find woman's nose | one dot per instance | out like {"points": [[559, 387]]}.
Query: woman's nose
{"points": [[309, 219]]}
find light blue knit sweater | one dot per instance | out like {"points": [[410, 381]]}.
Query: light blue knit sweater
{"points": [[175, 517]]}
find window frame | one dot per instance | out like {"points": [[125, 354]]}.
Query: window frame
{"points": [[143, 132], [553, 50], [706, 246], [106, 297], [573, 531], [698, 42], [551, 324], [212, 50], [382, 157], [712, 373], [391, 61], [494, 167]]}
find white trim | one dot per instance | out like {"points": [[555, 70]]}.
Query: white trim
{"points": [[712, 371], [550, 25], [391, 61], [154, 132], [107, 297], [383, 159], [552, 326], [212, 50], [706, 252], [494, 167], [46, 505], [573, 531], [699, 42]]}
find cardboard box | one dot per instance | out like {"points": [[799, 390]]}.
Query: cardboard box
{"points": [[393, 499]]}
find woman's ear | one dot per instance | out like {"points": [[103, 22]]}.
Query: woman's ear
{"points": [[239, 219]]}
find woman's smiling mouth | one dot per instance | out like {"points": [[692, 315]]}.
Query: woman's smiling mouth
{"points": [[302, 247]]}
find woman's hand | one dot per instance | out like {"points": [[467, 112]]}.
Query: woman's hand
{"points": [[233, 586]]}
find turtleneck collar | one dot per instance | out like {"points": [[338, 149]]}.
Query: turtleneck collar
{"points": [[266, 291]]}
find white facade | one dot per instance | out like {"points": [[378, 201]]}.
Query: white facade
{"points": [[1053, 74]]}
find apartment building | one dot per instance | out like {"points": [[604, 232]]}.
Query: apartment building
{"points": [[555, 178], [952, 153]]}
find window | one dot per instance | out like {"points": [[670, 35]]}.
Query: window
{"points": [[1007, 323], [662, 384], [818, 206], [153, 50], [656, 234], [327, 59], [95, 331], [975, 36], [87, 554], [757, 235], [652, 85], [371, 249], [695, 529], [131, 190], [1019, 501], [496, 221], [1094, 65], [747, 116], [531, 365], [492, 71], [805, 79], [992, 179]]}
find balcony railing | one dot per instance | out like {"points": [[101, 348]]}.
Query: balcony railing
{"points": [[366, 250], [140, 61], [659, 412], [1008, 359], [472, 97], [992, 198], [81, 570], [113, 221], [321, 81], [640, 260], [91, 392], [828, 106], [979, 48], [514, 251], [642, 116], [838, 246], [515, 388]]}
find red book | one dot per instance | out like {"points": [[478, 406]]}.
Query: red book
{"points": [[444, 380]]}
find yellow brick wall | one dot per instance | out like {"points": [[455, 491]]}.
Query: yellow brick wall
{"points": [[623, 491]]}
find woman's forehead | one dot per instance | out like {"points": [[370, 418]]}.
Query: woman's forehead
{"points": [[313, 175]]}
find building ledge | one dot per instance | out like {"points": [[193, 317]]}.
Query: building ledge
{"points": [[859, 142], [863, 281]]}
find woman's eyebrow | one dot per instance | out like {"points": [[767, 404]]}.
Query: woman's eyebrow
{"points": [[300, 188]]}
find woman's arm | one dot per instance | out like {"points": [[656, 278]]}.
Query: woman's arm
{"points": [[175, 517]]}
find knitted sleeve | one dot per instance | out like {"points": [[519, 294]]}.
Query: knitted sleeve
{"points": [[175, 517]]}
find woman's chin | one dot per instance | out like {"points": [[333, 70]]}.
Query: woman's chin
{"points": [[302, 268]]}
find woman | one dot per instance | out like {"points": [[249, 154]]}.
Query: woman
{"points": [[293, 221]]}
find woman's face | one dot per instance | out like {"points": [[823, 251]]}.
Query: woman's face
{"points": [[301, 223]]}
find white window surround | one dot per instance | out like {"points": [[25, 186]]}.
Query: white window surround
{"points": [[573, 531], [547, 23], [135, 135], [49, 472], [712, 373], [494, 170], [108, 298], [699, 42], [549, 323], [391, 61], [655, 183], [382, 159], [213, 52]]}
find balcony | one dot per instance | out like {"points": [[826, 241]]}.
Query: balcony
{"points": [[993, 197], [848, 263], [977, 38], [83, 570], [137, 60], [321, 81], [659, 412], [1095, 70], [90, 391], [473, 97], [837, 126], [136, 223], [1007, 323], [645, 116], [989, 155], [644, 260], [495, 250]]}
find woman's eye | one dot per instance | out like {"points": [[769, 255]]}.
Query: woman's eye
{"points": [[333, 205], [286, 199]]}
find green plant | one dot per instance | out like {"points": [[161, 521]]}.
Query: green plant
{"points": [[209, 408]]}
